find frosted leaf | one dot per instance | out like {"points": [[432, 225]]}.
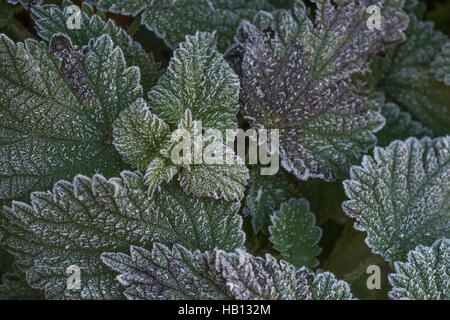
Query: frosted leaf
{"points": [[54, 124], [298, 78], [265, 195], [441, 64], [182, 274], [198, 79], [173, 20], [407, 76], [78, 221], [157, 171], [216, 181], [51, 19], [212, 176], [400, 197], [139, 135], [294, 233], [326, 287], [399, 125], [425, 275]]}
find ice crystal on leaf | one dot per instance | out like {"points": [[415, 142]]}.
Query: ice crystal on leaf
{"points": [[51, 19], [296, 76], [55, 124], [425, 275], [400, 197], [198, 91], [294, 233], [183, 274], [174, 19], [76, 222]]}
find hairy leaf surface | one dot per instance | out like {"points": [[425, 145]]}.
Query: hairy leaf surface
{"points": [[173, 20], [51, 19], [182, 274], [294, 233], [400, 197], [425, 275], [76, 222], [296, 77], [56, 116], [198, 79]]}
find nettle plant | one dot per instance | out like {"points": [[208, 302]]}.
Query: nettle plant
{"points": [[87, 113]]}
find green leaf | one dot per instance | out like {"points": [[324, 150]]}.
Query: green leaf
{"points": [[399, 125], [56, 116], [296, 77], [265, 195], [294, 233], [173, 20], [198, 79], [51, 19], [408, 79], [327, 287], [425, 275], [182, 274], [441, 64], [139, 135], [157, 171], [400, 196], [76, 222]]}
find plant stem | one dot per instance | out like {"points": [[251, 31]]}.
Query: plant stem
{"points": [[134, 26]]}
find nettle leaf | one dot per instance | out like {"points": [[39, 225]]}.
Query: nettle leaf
{"points": [[294, 233], [265, 195], [51, 19], [173, 20], [408, 79], [198, 91], [400, 196], [441, 64], [56, 116], [399, 125], [198, 79], [182, 274], [327, 287], [296, 77], [425, 275], [76, 222]]}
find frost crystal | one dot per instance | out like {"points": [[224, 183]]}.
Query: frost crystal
{"points": [[400, 197], [294, 234], [296, 76], [173, 20], [78, 221], [199, 90], [46, 131], [182, 274], [51, 19], [426, 274]]}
